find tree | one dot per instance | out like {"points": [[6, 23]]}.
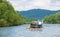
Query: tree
{"points": [[53, 19], [8, 16]]}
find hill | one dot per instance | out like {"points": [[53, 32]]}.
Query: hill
{"points": [[8, 16], [37, 13], [53, 19]]}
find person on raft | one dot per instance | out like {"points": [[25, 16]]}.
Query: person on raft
{"points": [[36, 24], [39, 24]]}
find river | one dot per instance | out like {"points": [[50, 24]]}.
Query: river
{"points": [[49, 30]]}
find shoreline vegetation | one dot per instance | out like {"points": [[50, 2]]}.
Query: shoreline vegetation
{"points": [[9, 17], [53, 19]]}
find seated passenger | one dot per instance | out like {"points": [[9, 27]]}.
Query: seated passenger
{"points": [[39, 24]]}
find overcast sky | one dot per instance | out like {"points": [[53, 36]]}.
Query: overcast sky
{"points": [[35, 4]]}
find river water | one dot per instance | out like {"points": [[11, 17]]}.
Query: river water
{"points": [[49, 30]]}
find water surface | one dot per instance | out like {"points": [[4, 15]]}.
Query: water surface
{"points": [[49, 30]]}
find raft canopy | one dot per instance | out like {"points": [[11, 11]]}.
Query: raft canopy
{"points": [[36, 22]]}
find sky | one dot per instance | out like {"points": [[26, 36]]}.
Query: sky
{"points": [[35, 4]]}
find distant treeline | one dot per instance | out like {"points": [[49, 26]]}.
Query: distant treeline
{"points": [[37, 13]]}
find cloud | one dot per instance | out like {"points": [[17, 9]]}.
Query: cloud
{"points": [[33, 4]]}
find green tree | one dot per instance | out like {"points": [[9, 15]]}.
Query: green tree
{"points": [[53, 19], [8, 16]]}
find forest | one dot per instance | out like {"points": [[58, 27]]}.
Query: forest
{"points": [[8, 16], [53, 19]]}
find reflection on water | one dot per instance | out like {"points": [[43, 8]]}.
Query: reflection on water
{"points": [[48, 30]]}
